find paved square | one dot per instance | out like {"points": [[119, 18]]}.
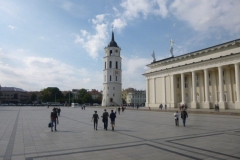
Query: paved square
{"points": [[24, 135]]}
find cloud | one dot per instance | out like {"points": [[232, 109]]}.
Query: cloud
{"points": [[133, 9], [11, 27], [36, 73], [133, 68], [208, 15], [93, 43]]}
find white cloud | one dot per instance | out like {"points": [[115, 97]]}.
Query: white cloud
{"points": [[133, 9], [36, 73], [99, 19], [133, 69], [11, 27], [93, 43], [119, 23], [207, 15]]}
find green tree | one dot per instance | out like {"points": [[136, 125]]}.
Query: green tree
{"points": [[51, 94], [87, 98], [33, 97]]}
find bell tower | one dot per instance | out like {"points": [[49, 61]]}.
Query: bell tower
{"points": [[112, 75]]}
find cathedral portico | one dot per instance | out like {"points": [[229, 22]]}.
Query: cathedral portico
{"points": [[208, 80]]}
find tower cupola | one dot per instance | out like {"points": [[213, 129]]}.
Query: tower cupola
{"points": [[112, 43]]}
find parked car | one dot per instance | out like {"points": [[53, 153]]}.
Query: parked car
{"points": [[87, 104], [95, 104]]}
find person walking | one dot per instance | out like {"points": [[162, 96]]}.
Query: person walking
{"points": [[176, 118], [59, 111], [112, 117], [95, 120], [161, 106], [184, 116], [105, 119], [119, 110], [54, 119], [165, 106]]}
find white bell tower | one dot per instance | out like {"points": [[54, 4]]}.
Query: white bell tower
{"points": [[112, 75]]}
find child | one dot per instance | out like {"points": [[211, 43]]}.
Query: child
{"points": [[176, 118], [95, 119]]}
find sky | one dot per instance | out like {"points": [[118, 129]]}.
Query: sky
{"points": [[60, 43]]}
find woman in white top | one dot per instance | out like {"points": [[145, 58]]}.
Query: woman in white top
{"points": [[176, 118]]}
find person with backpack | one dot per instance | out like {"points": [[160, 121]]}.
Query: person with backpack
{"points": [[112, 117], [105, 119], [54, 119]]}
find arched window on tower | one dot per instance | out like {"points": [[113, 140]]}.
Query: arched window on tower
{"points": [[110, 52], [116, 64], [110, 78], [110, 64]]}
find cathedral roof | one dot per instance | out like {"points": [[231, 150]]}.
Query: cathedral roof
{"points": [[112, 43]]}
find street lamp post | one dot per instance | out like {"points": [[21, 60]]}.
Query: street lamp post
{"points": [[55, 97], [69, 98]]}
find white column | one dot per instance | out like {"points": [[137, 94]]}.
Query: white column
{"points": [[206, 88], [154, 90], [220, 76], [206, 78], [182, 88], [172, 91], [146, 104], [237, 103], [228, 85], [237, 81], [164, 90], [194, 97]]}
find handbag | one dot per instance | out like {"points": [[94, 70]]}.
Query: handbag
{"points": [[50, 125]]}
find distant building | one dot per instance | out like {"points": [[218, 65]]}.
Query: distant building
{"points": [[13, 95], [125, 92], [136, 97], [95, 94]]}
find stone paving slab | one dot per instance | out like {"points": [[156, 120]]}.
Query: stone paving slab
{"points": [[24, 135]]}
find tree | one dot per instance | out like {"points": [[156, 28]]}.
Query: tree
{"points": [[87, 98], [51, 94], [33, 97]]}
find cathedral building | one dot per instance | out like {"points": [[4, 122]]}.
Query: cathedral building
{"points": [[112, 75], [200, 79]]}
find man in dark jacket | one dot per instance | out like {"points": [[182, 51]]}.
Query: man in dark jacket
{"points": [[184, 116], [105, 118], [95, 120], [112, 117], [54, 119]]}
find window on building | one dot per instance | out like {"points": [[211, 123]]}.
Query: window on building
{"points": [[110, 64], [110, 52], [105, 78], [209, 79], [116, 78], [185, 82], [197, 83], [110, 78], [178, 82], [105, 65], [113, 95], [116, 65], [223, 78]]}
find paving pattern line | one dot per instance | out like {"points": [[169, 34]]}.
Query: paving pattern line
{"points": [[8, 153]]}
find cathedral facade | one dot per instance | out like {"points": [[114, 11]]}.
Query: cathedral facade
{"points": [[112, 75], [200, 79]]}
